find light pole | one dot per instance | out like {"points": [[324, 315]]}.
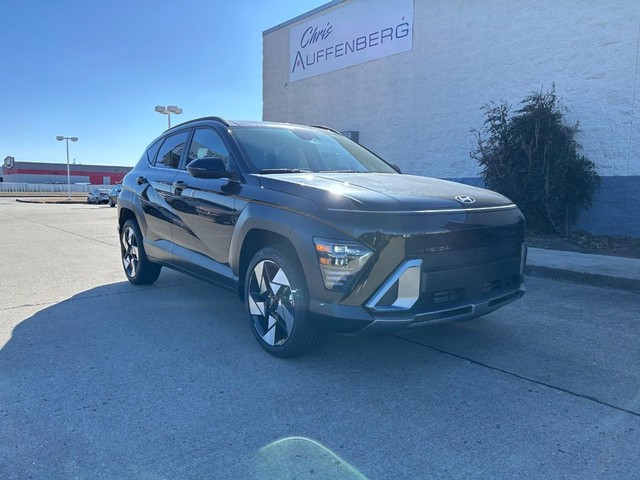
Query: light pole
{"points": [[73, 139], [168, 111]]}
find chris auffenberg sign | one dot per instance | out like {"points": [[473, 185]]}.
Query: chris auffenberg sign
{"points": [[359, 32]]}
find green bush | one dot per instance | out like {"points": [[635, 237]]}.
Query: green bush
{"points": [[532, 157]]}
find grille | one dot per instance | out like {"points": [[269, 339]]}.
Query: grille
{"points": [[450, 288], [501, 284], [440, 252], [446, 296]]}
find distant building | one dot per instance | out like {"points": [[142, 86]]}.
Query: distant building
{"points": [[36, 172]]}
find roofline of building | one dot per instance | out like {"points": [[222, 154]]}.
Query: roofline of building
{"points": [[27, 164], [304, 15]]}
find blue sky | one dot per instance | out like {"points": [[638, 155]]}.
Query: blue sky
{"points": [[96, 70]]}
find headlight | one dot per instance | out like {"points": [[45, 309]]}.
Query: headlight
{"points": [[339, 261]]}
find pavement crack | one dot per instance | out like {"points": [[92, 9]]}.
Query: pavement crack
{"points": [[26, 305], [521, 377]]}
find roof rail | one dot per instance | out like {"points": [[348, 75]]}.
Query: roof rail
{"points": [[217, 119], [326, 128]]}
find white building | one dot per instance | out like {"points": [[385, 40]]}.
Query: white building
{"points": [[410, 76]]}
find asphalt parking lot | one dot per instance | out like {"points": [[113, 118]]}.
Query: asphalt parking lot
{"points": [[102, 379]]}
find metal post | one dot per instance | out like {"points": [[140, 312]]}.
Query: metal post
{"points": [[169, 120], [68, 173]]}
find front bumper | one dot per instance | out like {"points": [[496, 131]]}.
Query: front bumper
{"points": [[426, 269], [416, 295], [361, 321]]}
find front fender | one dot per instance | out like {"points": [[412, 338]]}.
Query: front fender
{"points": [[263, 217], [299, 229]]}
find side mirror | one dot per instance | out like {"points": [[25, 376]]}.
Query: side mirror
{"points": [[209, 167]]}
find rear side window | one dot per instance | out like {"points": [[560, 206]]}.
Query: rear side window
{"points": [[171, 151], [152, 151]]}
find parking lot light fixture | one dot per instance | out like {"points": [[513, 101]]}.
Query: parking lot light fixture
{"points": [[73, 139], [168, 110]]}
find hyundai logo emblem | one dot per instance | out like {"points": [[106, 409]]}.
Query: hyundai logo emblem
{"points": [[465, 199]]}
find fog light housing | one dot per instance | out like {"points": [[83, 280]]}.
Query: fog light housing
{"points": [[339, 261], [401, 290]]}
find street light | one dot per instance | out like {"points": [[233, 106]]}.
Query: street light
{"points": [[168, 111], [73, 139]]}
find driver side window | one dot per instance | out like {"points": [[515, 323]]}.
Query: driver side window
{"points": [[207, 143]]}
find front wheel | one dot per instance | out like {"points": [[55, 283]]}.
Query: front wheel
{"points": [[137, 267], [111, 203], [277, 301]]}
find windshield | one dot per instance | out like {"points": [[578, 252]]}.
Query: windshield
{"points": [[294, 149]]}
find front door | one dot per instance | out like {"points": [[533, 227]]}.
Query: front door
{"points": [[206, 209]]}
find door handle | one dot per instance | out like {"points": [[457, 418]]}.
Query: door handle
{"points": [[140, 180]]}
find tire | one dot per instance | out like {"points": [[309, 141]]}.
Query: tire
{"points": [[88, 201], [111, 204], [137, 267], [277, 302]]}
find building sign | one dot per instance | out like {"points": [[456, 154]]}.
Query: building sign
{"points": [[356, 33], [9, 162]]}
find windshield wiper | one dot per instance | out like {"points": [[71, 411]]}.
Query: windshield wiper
{"points": [[342, 171], [283, 170]]}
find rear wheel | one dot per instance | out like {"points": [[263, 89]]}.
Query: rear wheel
{"points": [[278, 304], [111, 203], [137, 267]]}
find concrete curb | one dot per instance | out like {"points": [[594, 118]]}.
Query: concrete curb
{"points": [[584, 278], [51, 201], [590, 269]]}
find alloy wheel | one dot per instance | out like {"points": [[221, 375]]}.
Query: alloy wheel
{"points": [[271, 303], [130, 253]]}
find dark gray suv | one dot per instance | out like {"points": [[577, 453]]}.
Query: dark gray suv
{"points": [[316, 233]]}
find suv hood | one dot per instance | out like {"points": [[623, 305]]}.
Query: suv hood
{"points": [[381, 191]]}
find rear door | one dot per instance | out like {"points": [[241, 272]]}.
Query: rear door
{"points": [[156, 185]]}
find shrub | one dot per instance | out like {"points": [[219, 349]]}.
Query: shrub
{"points": [[532, 157]]}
